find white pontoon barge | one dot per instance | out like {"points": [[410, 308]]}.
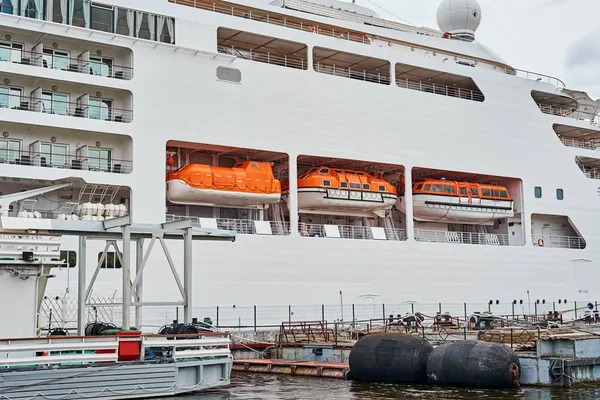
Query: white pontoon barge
{"points": [[127, 365]]}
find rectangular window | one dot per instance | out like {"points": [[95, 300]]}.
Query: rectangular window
{"points": [[124, 22], [419, 186], [337, 171], [55, 154], [55, 103], [427, 187], [6, 7], [101, 66], [166, 30], [559, 194], [9, 150], [343, 185], [69, 257], [354, 185], [56, 59], [381, 188], [463, 190], [144, 23], [102, 18], [99, 159], [324, 171], [10, 97], [485, 192], [11, 52], [437, 188], [100, 109], [79, 13], [504, 194], [110, 261], [537, 191], [474, 192], [32, 8], [448, 189], [59, 14], [366, 186], [495, 193], [327, 183]]}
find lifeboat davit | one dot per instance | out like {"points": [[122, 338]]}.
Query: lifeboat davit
{"points": [[246, 184], [459, 202], [339, 191]]}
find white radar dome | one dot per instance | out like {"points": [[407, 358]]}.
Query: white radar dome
{"points": [[460, 18]]}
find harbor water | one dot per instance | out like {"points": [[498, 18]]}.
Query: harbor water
{"points": [[261, 386]]}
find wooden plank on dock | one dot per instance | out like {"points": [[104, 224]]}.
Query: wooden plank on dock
{"points": [[286, 367]]}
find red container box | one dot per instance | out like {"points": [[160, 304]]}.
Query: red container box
{"points": [[130, 345]]}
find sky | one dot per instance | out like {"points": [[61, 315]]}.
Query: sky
{"points": [[560, 38]]}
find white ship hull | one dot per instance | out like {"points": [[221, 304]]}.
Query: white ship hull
{"points": [[179, 98], [178, 192]]}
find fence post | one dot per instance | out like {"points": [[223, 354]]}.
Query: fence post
{"points": [[575, 310], [353, 314], [511, 338], [254, 318], [383, 310], [465, 304], [513, 310], [323, 313], [440, 307], [412, 307], [217, 317]]}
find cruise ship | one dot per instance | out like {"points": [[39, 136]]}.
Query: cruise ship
{"points": [[349, 153]]}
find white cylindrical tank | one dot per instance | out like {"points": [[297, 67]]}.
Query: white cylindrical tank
{"points": [[461, 18]]}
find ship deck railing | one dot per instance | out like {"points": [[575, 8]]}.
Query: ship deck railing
{"points": [[558, 242], [264, 57], [487, 239], [351, 35], [580, 143], [239, 226], [356, 232], [67, 161], [352, 73], [444, 90], [64, 108], [78, 350], [52, 61], [592, 119]]}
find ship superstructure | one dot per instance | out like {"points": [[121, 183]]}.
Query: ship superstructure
{"points": [[110, 100]]}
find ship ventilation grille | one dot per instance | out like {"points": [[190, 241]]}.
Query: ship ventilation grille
{"points": [[229, 74]]}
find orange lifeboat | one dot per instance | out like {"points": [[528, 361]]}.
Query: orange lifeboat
{"points": [[246, 184], [438, 200], [340, 191]]}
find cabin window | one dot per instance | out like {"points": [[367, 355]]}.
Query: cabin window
{"points": [[324, 171], [537, 191], [448, 189], [485, 192], [366, 186], [495, 193], [344, 185], [436, 188], [254, 165], [360, 174], [463, 190], [337, 171], [504, 194], [69, 257], [427, 187], [327, 183], [382, 188], [419, 186], [111, 261], [354, 185], [474, 192], [350, 172], [559, 194]]}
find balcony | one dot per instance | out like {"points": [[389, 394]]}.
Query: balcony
{"points": [[568, 104], [96, 66], [264, 57], [239, 226], [351, 232], [485, 239], [53, 103]]}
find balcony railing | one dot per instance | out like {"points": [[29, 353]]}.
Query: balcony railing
{"points": [[59, 107], [351, 232], [268, 58], [487, 239], [52, 61], [440, 89], [539, 77], [580, 143], [558, 242], [569, 113], [353, 73], [65, 161], [239, 226]]}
